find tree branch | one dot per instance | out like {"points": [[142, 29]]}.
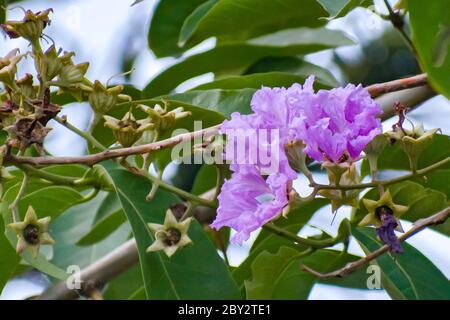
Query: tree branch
{"points": [[418, 226], [92, 159], [378, 89]]}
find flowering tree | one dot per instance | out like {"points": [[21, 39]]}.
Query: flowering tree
{"points": [[269, 118]]}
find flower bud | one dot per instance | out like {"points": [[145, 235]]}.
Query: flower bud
{"points": [[128, 130], [26, 87], [53, 62], [171, 235], [30, 27], [72, 74], [346, 178], [32, 232], [102, 99], [162, 117], [373, 151], [415, 142], [8, 67]]}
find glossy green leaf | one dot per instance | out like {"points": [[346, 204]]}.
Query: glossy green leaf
{"points": [[172, 278], [278, 276], [75, 223], [103, 228], [235, 58], [339, 8], [430, 24], [231, 20], [166, 24], [422, 202], [406, 276]]}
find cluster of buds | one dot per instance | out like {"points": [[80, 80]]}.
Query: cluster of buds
{"points": [[384, 214], [170, 236], [32, 232]]}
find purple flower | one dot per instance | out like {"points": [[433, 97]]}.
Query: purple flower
{"points": [[336, 124], [387, 235], [247, 201]]}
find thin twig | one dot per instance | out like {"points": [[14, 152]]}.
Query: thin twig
{"points": [[418, 226]]}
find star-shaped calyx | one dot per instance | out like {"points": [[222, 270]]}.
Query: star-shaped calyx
{"points": [[32, 232], [171, 235]]}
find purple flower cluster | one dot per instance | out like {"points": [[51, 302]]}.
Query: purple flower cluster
{"points": [[334, 125]]}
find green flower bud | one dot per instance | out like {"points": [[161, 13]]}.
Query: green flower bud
{"points": [[171, 235], [53, 62], [30, 27], [128, 130], [32, 232], [8, 67], [373, 151], [162, 117], [415, 142], [99, 175], [343, 174], [375, 208], [102, 99], [71, 74]]}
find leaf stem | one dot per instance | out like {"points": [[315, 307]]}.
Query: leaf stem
{"points": [[14, 205]]}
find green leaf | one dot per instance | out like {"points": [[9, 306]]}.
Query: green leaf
{"points": [[127, 286], [430, 24], [76, 222], [339, 8], [422, 202], [278, 276], [205, 180], [9, 260], [255, 81], [173, 278], [231, 20], [2, 19], [103, 228], [406, 276], [235, 58], [166, 24]]}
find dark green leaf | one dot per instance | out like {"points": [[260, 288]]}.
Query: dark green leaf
{"points": [[103, 228], [231, 20], [166, 24], [235, 58], [430, 23], [406, 276]]}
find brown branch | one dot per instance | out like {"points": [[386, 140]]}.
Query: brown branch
{"points": [[378, 89], [92, 159], [418, 226]]}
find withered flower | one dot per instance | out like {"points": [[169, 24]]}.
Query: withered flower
{"points": [[27, 131], [8, 67]]}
